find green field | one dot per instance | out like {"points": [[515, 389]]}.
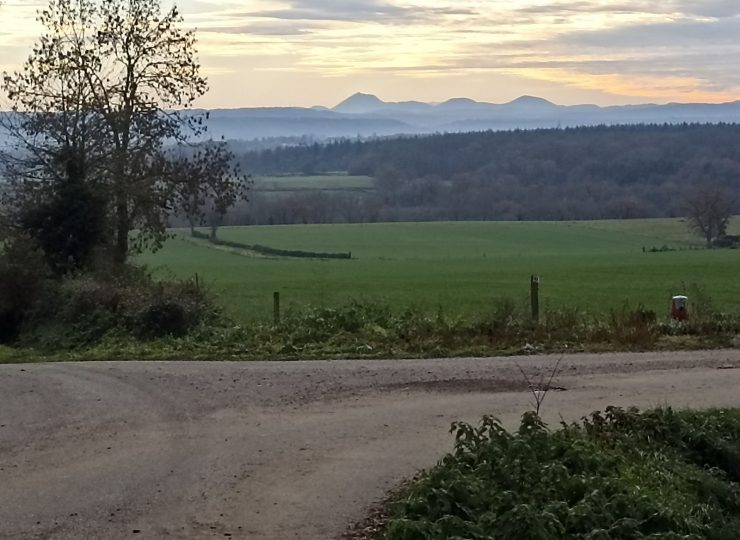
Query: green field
{"points": [[327, 182], [460, 267]]}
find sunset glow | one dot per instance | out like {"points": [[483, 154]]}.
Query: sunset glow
{"points": [[317, 52]]}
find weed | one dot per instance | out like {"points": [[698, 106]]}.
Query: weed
{"points": [[632, 328], [540, 389]]}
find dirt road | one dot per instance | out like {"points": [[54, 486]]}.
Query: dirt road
{"points": [[276, 450]]}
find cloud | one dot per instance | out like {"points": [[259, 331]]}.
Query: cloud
{"points": [[687, 8], [657, 49], [585, 6], [629, 47], [356, 11], [271, 28], [711, 8], [675, 34]]}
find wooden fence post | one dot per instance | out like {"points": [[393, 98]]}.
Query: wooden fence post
{"points": [[535, 289], [276, 307]]}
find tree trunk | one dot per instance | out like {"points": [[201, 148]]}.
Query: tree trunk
{"points": [[122, 230]]}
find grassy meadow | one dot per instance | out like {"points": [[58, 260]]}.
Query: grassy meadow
{"points": [[461, 267]]}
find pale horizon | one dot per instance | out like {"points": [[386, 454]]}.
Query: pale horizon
{"points": [[303, 53]]}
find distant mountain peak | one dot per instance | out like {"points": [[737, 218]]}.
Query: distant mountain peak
{"points": [[459, 102], [361, 96], [359, 103], [532, 101]]}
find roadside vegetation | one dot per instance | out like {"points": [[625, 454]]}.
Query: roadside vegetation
{"points": [[45, 312], [90, 319], [617, 474]]}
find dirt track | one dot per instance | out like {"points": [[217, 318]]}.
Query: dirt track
{"points": [[276, 450]]}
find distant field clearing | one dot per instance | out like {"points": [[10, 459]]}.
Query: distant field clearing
{"points": [[461, 267]]}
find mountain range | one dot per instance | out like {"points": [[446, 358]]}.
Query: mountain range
{"points": [[366, 115]]}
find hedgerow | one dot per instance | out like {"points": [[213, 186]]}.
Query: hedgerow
{"points": [[270, 251]]}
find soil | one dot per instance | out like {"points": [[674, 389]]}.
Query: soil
{"points": [[279, 450]]}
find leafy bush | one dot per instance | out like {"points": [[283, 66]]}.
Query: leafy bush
{"points": [[80, 311], [23, 279], [618, 474], [67, 225]]}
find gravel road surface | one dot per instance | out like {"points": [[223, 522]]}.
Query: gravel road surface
{"points": [[277, 450]]}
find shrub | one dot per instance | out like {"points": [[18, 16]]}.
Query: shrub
{"points": [[67, 226], [565, 325], [170, 309], [618, 474], [633, 328], [80, 311], [23, 278], [504, 324], [320, 324], [163, 318]]}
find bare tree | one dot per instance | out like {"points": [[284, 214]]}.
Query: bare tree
{"points": [[149, 70], [110, 82], [207, 184], [709, 211]]}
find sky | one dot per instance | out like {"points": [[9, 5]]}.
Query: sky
{"points": [[318, 52]]}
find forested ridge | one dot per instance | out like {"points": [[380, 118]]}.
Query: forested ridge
{"points": [[574, 173]]}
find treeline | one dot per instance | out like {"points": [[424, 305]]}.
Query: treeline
{"points": [[270, 251], [555, 174]]}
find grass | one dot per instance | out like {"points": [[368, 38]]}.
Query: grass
{"points": [[327, 182], [619, 474], [460, 268]]}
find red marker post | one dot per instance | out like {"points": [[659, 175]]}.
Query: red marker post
{"points": [[680, 308]]}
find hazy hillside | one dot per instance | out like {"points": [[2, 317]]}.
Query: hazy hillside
{"points": [[258, 123], [366, 115]]}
